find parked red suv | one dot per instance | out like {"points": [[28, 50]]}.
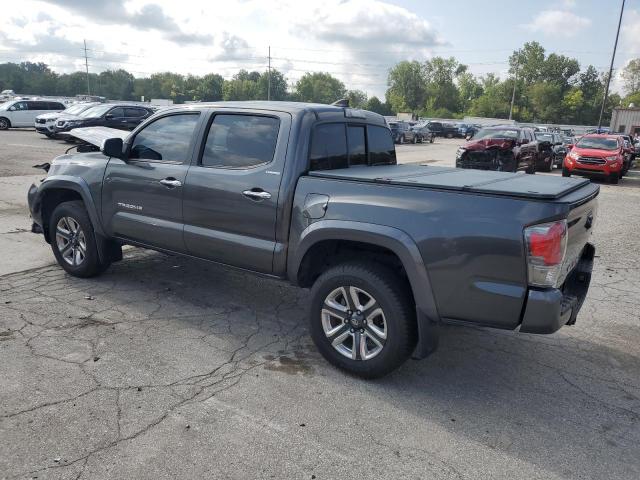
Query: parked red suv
{"points": [[596, 155]]}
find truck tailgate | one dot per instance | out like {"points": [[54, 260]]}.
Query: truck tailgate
{"points": [[477, 181]]}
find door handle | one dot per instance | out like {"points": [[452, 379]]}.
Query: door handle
{"points": [[256, 194], [171, 182]]}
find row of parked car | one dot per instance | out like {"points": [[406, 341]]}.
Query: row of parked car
{"points": [[420, 132], [512, 148], [51, 118]]}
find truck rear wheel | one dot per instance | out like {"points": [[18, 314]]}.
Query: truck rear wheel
{"points": [[362, 319], [73, 240]]}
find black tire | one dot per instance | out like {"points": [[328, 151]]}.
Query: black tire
{"points": [[449, 135], [390, 293], [401, 139], [89, 265], [5, 123], [614, 178], [431, 139], [531, 169], [565, 172], [415, 139]]}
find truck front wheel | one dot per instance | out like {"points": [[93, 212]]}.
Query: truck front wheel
{"points": [[362, 319], [73, 240]]}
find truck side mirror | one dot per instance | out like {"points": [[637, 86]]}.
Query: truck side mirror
{"points": [[112, 147]]}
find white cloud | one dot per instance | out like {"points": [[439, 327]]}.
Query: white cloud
{"points": [[562, 23], [355, 40]]}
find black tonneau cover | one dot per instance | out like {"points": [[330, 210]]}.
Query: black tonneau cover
{"points": [[545, 187]]}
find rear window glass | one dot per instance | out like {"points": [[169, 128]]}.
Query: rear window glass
{"points": [[382, 151], [340, 145], [357, 145], [329, 147]]}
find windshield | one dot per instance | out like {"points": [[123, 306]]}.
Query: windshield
{"points": [[496, 133], [598, 143], [96, 111], [76, 109], [545, 137], [6, 105]]}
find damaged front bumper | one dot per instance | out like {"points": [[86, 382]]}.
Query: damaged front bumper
{"points": [[492, 159]]}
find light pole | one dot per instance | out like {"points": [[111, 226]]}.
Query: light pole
{"points": [[613, 57], [515, 82]]}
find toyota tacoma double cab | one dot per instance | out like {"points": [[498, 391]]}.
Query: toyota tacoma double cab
{"points": [[313, 194]]}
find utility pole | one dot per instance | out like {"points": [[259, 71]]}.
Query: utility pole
{"points": [[515, 82], [86, 66], [613, 57], [269, 76]]}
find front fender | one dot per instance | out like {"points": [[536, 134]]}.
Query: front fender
{"points": [[379, 235], [65, 182]]}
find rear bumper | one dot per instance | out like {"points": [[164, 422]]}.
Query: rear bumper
{"points": [[549, 309]]}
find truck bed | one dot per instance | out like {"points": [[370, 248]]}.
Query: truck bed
{"points": [[478, 181]]}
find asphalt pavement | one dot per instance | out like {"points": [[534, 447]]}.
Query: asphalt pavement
{"points": [[166, 367]]}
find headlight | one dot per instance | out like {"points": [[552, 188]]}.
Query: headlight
{"points": [[612, 158], [574, 155]]}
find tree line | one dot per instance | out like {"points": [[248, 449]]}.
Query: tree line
{"points": [[549, 88]]}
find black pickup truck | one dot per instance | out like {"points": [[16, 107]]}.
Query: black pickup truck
{"points": [[312, 194]]}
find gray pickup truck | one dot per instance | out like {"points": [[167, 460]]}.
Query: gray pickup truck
{"points": [[312, 194]]}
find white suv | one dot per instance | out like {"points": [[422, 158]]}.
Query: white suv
{"points": [[46, 122], [23, 113]]}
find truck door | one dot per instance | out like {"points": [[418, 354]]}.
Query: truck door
{"points": [[142, 195], [231, 192]]}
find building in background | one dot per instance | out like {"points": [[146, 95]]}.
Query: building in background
{"points": [[625, 120]]}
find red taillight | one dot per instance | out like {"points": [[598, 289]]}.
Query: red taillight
{"points": [[546, 249], [546, 243]]}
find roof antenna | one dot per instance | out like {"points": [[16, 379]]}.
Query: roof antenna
{"points": [[343, 102]]}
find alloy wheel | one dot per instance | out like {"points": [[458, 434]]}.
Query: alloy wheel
{"points": [[71, 241], [3, 124], [354, 323]]}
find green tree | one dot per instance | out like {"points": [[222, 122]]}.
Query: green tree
{"points": [[357, 98], [319, 88], [278, 85], [209, 88], [406, 92], [631, 76], [441, 93], [375, 105]]}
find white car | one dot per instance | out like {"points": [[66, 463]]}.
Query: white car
{"points": [[44, 123], [23, 113]]}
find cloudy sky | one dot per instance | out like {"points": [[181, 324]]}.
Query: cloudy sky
{"points": [[355, 40]]}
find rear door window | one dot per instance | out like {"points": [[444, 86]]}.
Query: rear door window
{"points": [[37, 105], [240, 141], [55, 106], [134, 112], [116, 112]]}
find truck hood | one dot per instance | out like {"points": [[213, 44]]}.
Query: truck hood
{"points": [[465, 180], [78, 165], [97, 135], [53, 115], [486, 143], [592, 152]]}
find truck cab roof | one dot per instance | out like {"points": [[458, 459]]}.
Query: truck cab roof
{"points": [[321, 111]]}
